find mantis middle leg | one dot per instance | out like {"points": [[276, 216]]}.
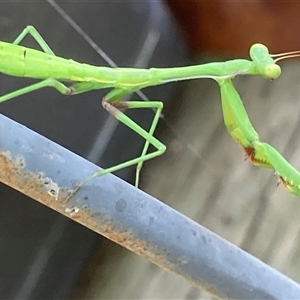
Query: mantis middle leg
{"points": [[112, 104]]}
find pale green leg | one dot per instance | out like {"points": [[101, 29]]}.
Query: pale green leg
{"points": [[159, 106], [148, 136], [37, 37], [47, 82], [112, 106]]}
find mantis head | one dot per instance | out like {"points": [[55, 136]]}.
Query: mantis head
{"points": [[265, 62]]}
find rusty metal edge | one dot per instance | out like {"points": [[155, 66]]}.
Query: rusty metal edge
{"points": [[47, 172]]}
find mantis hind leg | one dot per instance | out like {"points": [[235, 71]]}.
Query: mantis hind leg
{"points": [[37, 37], [50, 82]]}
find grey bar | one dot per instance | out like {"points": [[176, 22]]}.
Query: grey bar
{"points": [[47, 173]]}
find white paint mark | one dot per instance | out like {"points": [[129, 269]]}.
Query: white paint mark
{"points": [[52, 188], [72, 210]]}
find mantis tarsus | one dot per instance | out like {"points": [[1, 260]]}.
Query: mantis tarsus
{"points": [[21, 61]]}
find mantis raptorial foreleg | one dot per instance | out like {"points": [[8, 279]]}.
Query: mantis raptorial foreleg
{"points": [[238, 124], [259, 153]]}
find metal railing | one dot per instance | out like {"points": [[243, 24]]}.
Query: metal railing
{"points": [[109, 206]]}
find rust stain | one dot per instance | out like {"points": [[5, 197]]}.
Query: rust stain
{"points": [[35, 185], [123, 237]]}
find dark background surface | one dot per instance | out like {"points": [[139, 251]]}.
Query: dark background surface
{"points": [[42, 253]]}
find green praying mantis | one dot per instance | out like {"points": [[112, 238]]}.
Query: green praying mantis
{"points": [[52, 70]]}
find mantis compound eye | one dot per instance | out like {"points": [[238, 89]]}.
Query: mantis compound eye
{"points": [[272, 71]]}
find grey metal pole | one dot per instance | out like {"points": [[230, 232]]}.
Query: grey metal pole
{"points": [[47, 172]]}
